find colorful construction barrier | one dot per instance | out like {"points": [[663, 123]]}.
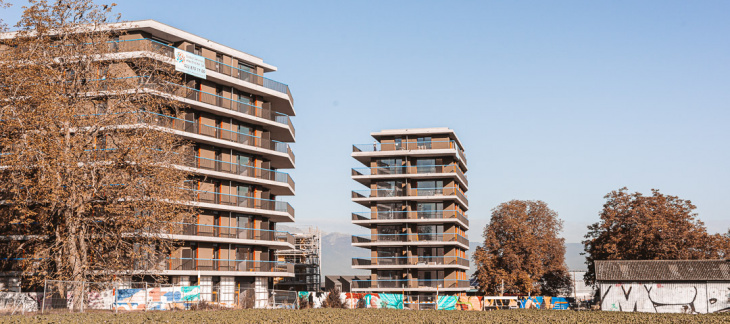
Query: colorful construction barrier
{"points": [[157, 298]]}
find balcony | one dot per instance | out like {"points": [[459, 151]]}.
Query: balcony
{"points": [[411, 239], [446, 192], [192, 264], [241, 170], [406, 261], [146, 44], [241, 233], [399, 171], [195, 127], [411, 146], [242, 201], [410, 284], [403, 216]]}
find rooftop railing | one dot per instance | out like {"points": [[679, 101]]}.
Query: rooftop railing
{"points": [[242, 201], [199, 264], [408, 146], [410, 283], [146, 44], [242, 170], [236, 233], [216, 132], [411, 260], [417, 237], [404, 214]]}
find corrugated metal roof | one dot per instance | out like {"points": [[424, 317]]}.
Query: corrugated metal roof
{"points": [[663, 270]]}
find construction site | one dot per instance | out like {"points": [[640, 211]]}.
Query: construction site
{"points": [[306, 257]]}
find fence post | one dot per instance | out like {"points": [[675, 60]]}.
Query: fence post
{"points": [[116, 305], [82, 296], [45, 285], [145, 296]]}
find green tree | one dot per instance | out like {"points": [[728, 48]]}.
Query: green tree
{"points": [[523, 251], [656, 227]]}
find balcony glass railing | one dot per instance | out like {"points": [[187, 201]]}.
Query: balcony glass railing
{"points": [[421, 169], [410, 283], [227, 265], [242, 201], [415, 237], [146, 44], [408, 146], [404, 214], [242, 170], [401, 192], [236, 233], [412, 260], [215, 132]]}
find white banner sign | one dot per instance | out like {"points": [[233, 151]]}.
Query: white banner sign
{"points": [[190, 63]]}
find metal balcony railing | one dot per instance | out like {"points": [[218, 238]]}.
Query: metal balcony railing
{"points": [[410, 283], [404, 214], [215, 132], [146, 44], [236, 233], [242, 201], [198, 264], [412, 260], [415, 237], [239, 169]]}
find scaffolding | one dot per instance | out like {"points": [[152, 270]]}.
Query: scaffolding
{"points": [[306, 257]]}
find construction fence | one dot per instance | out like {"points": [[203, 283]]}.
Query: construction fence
{"points": [[69, 296]]}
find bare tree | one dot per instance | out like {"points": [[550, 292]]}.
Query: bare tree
{"points": [[522, 252], [89, 182]]}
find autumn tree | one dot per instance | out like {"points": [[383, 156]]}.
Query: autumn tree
{"points": [[89, 183], [656, 227], [522, 250]]}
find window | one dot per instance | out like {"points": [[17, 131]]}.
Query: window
{"points": [[389, 233], [389, 166], [390, 211], [389, 189], [426, 165], [398, 143], [424, 143], [430, 232], [430, 187], [429, 210]]}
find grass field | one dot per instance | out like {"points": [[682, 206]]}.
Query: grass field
{"points": [[368, 316]]}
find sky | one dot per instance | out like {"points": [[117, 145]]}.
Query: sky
{"points": [[559, 101]]}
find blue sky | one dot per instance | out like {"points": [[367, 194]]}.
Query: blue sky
{"points": [[561, 101]]}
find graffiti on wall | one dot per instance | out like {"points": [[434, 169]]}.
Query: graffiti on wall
{"points": [[158, 298], [17, 302], [666, 298]]}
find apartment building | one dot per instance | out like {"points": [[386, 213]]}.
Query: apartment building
{"points": [[239, 122], [415, 211]]}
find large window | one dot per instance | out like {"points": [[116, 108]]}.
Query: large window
{"points": [[430, 187], [389, 166], [430, 232], [391, 211], [389, 233], [426, 165], [389, 188], [430, 210], [424, 142]]}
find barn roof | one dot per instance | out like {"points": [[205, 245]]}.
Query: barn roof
{"points": [[663, 270]]}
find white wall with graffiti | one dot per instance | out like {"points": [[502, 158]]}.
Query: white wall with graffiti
{"points": [[674, 297]]}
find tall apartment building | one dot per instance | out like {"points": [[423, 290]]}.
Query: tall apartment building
{"points": [[416, 214], [239, 122]]}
